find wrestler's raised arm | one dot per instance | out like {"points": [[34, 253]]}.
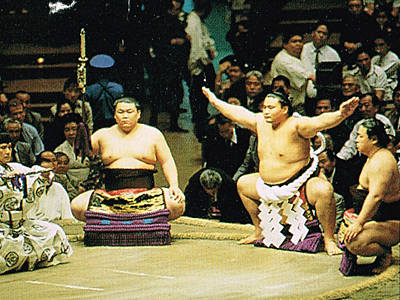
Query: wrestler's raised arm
{"points": [[164, 157], [309, 127], [235, 113]]}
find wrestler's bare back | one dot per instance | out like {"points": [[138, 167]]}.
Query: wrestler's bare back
{"points": [[382, 159], [282, 151], [133, 150]]}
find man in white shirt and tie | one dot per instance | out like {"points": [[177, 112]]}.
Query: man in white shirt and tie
{"points": [[317, 51]]}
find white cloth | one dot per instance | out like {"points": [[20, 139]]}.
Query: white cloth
{"points": [[274, 200], [349, 148], [200, 43], [295, 70], [52, 202], [308, 57], [39, 243]]}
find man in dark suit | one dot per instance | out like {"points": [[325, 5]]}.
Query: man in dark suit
{"points": [[337, 175], [225, 145], [211, 193], [22, 151]]}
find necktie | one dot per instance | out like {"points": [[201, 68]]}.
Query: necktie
{"points": [[317, 53]]}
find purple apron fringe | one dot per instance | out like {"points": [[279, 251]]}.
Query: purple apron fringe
{"points": [[146, 229], [311, 243]]}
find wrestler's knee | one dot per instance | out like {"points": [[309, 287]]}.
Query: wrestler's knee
{"points": [[356, 246], [79, 205], [319, 190], [176, 209]]}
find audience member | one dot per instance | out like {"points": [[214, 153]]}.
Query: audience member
{"points": [[169, 50], [31, 117], [78, 168], [102, 94], [372, 77], [287, 63], [388, 61], [357, 29], [202, 51], [61, 175], [21, 151], [247, 92], [211, 193], [53, 201], [225, 146], [339, 133], [72, 93], [337, 175], [317, 51], [55, 135], [350, 88], [29, 132], [369, 107], [233, 70], [394, 113]]}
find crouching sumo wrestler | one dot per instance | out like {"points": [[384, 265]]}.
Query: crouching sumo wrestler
{"points": [[287, 169], [130, 151]]}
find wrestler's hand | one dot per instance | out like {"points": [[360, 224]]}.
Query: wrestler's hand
{"points": [[353, 230], [210, 95], [348, 107], [176, 194]]}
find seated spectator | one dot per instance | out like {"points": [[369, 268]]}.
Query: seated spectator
{"points": [[337, 175], [211, 193], [372, 77], [281, 81], [61, 174], [233, 70], [317, 51], [55, 136], [53, 203], [394, 113], [388, 61], [29, 132], [350, 88], [21, 151], [287, 63], [225, 146], [369, 107], [339, 133], [31, 117], [72, 93], [248, 91], [102, 94], [78, 169]]}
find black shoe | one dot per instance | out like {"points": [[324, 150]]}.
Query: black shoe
{"points": [[177, 129]]}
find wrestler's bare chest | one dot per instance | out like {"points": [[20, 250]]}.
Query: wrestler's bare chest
{"points": [[128, 152]]}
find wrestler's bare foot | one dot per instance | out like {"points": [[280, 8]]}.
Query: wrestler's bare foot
{"points": [[331, 248], [250, 239], [383, 263]]}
